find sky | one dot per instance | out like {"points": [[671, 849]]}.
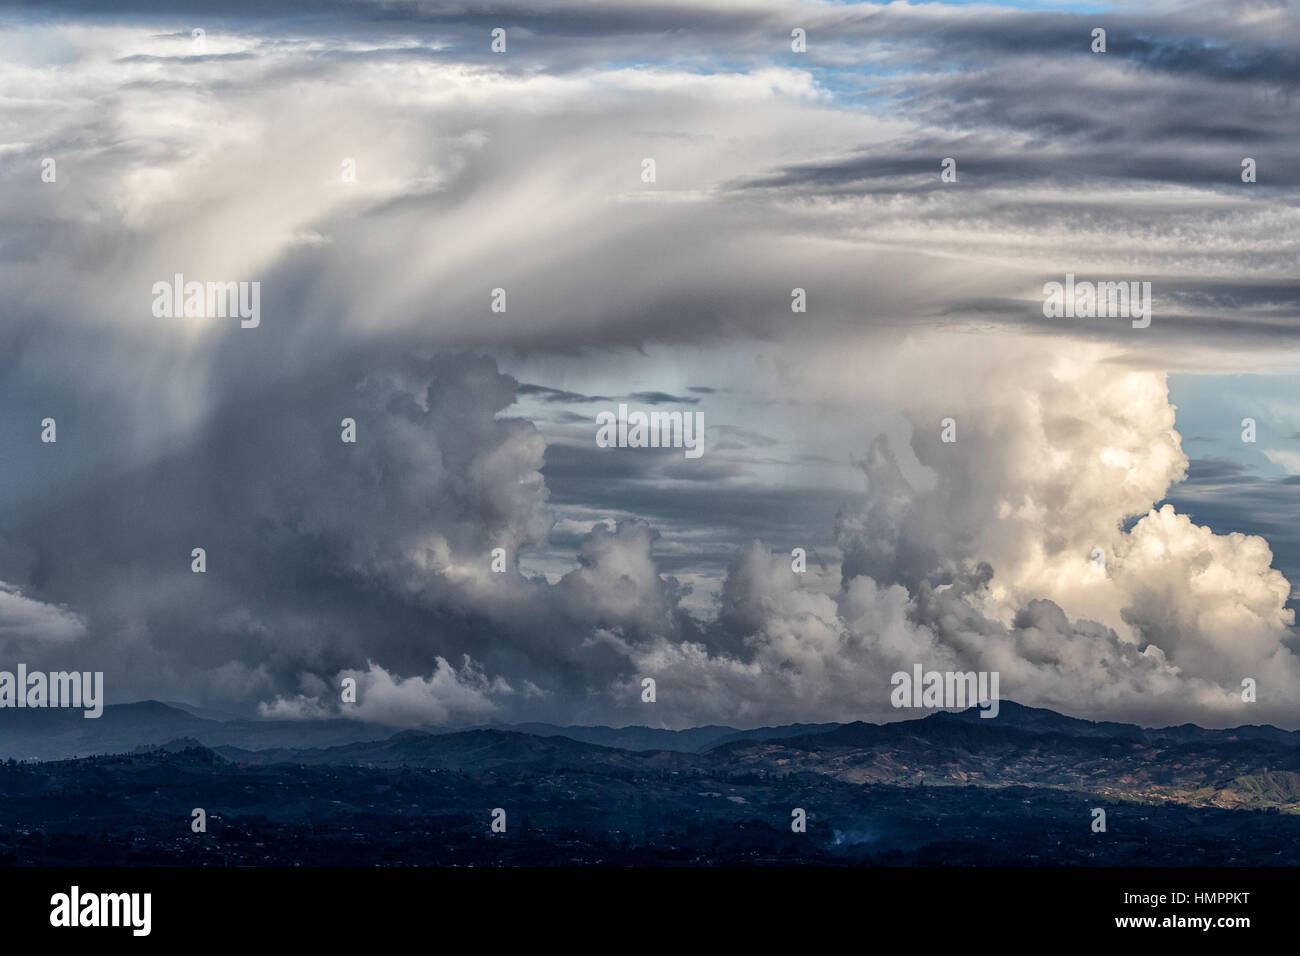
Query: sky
{"points": [[1104, 530]]}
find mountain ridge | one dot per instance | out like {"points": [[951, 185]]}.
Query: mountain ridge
{"points": [[51, 734]]}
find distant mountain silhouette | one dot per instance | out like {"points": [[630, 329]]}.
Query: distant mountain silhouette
{"points": [[1022, 745], [1042, 720], [208, 713], [58, 734]]}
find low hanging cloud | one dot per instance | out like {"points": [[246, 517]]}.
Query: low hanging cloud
{"points": [[27, 625], [1031, 545], [449, 694], [813, 656]]}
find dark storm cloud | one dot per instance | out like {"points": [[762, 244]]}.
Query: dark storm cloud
{"points": [[1209, 471], [566, 462], [555, 395], [572, 418], [313, 552], [661, 398], [618, 481], [981, 167]]}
